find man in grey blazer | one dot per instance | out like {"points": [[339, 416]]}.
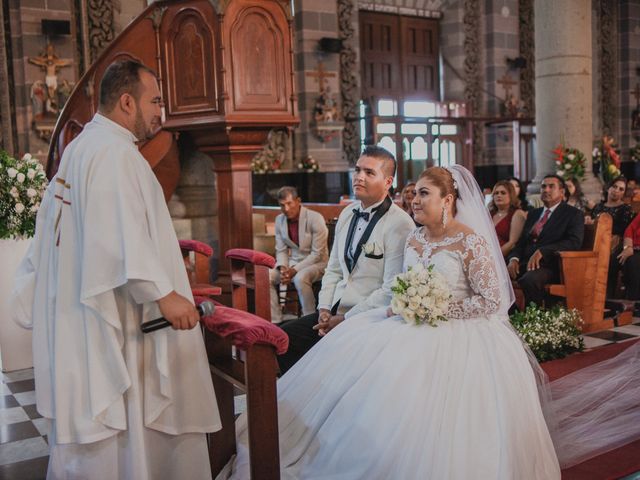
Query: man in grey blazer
{"points": [[367, 254], [301, 251]]}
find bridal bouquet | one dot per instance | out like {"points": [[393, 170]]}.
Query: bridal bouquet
{"points": [[421, 295]]}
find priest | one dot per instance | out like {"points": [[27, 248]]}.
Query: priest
{"points": [[104, 259]]}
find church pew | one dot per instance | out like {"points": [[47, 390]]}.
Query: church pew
{"points": [[253, 369], [583, 275]]}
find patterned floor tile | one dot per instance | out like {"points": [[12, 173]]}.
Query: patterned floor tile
{"points": [[18, 431], [42, 424], [8, 401], [31, 411], [35, 469], [610, 335], [26, 398], [629, 329], [18, 375], [592, 342], [12, 415], [22, 386], [23, 450]]}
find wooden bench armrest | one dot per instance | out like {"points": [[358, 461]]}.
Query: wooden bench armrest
{"points": [[578, 254]]}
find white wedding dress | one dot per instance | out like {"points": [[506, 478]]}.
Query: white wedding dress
{"points": [[378, 398]]}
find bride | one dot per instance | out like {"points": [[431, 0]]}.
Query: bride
{"points": [[379, 398]]}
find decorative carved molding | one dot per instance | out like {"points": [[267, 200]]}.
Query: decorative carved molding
{"points": [[101, 25], [527, 51], [471, 21], [608, 47], [349, 88]]}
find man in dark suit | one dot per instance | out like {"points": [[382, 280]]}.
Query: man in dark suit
{"points": [[555, 227]]}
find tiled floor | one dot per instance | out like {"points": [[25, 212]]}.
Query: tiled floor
{"points": [[23, 432]]}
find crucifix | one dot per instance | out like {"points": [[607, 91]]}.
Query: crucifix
{"points": [[321, 76], [507, 83], [50, 63]]}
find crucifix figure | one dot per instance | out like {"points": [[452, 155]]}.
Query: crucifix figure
{"points": [[321, 75], [507, 83], [50, 63]]}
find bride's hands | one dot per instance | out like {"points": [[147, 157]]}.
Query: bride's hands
{"points": [[390, 312]]}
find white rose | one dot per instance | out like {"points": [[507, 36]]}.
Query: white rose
{"points": [[12, 172], [397, 305], [39, 167], [411, 291], [567, 166], [19, 208], [21, 177], [560, 172], [34, 208], [27, 157], [595, 152], [31, 174], [14, 192], [571, 156]]}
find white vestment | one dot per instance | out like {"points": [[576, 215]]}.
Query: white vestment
{"points": [[104, 252]]}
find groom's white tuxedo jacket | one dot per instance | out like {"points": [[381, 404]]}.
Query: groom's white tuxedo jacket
{"points": [[368, 284]]}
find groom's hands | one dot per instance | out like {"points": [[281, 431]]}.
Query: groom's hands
{"points": [[326, 321]]}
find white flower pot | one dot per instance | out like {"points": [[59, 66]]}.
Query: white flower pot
{"points": [[15, 341]]}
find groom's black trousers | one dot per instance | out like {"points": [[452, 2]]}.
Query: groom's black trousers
{"points": [[302, 337]]}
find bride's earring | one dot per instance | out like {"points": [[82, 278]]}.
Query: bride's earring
{"points": [[444, 217]]}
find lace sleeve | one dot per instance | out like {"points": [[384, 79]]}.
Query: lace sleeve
{"points": [[483, 280]]}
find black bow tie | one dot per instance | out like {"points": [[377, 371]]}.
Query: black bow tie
{"points": [[358, 214]]}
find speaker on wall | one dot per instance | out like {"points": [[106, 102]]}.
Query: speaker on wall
{"points": [[330, 45], [56, 27]]}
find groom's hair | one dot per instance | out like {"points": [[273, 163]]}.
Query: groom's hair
{"points": [[388, 160]]}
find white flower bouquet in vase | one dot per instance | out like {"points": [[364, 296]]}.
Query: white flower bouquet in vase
{"points": [[421, 296], [22, 184]]}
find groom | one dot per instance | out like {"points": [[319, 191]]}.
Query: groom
{"points": [[367, 254]]}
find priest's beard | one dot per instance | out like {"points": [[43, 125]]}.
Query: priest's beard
{"points": [[142, 131]]}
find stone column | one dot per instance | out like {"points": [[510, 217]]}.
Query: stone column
{"points": [[563, 85]]}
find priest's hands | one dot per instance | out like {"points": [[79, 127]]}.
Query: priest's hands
{"points": [[178, 311]]}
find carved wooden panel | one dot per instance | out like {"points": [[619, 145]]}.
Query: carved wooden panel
{"points": [[258, 59], [191, 64]]}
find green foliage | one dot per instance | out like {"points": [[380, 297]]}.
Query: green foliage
{"points": [[552, 333]]}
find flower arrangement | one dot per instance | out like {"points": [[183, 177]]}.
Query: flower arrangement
{"points": [[22, 184], [570, 162], [309, 164], [607, 159], [420, 296], [552, 333]]}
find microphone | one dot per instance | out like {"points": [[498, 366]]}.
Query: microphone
{"points": [[204, 309]]}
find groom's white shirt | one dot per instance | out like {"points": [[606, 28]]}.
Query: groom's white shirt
{"points": [[368, 285]]}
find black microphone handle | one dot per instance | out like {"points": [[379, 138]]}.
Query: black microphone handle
{"points": [[158, 323]]}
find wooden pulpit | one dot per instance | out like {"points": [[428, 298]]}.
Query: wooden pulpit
{"points": [[226, 75]]}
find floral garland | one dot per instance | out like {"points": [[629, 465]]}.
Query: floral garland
{"points": [[606, 160], [550, 334], [22, 185], [309, 164], [570, 162]]}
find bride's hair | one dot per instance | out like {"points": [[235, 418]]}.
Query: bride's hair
{"points": [[442, 178]]}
